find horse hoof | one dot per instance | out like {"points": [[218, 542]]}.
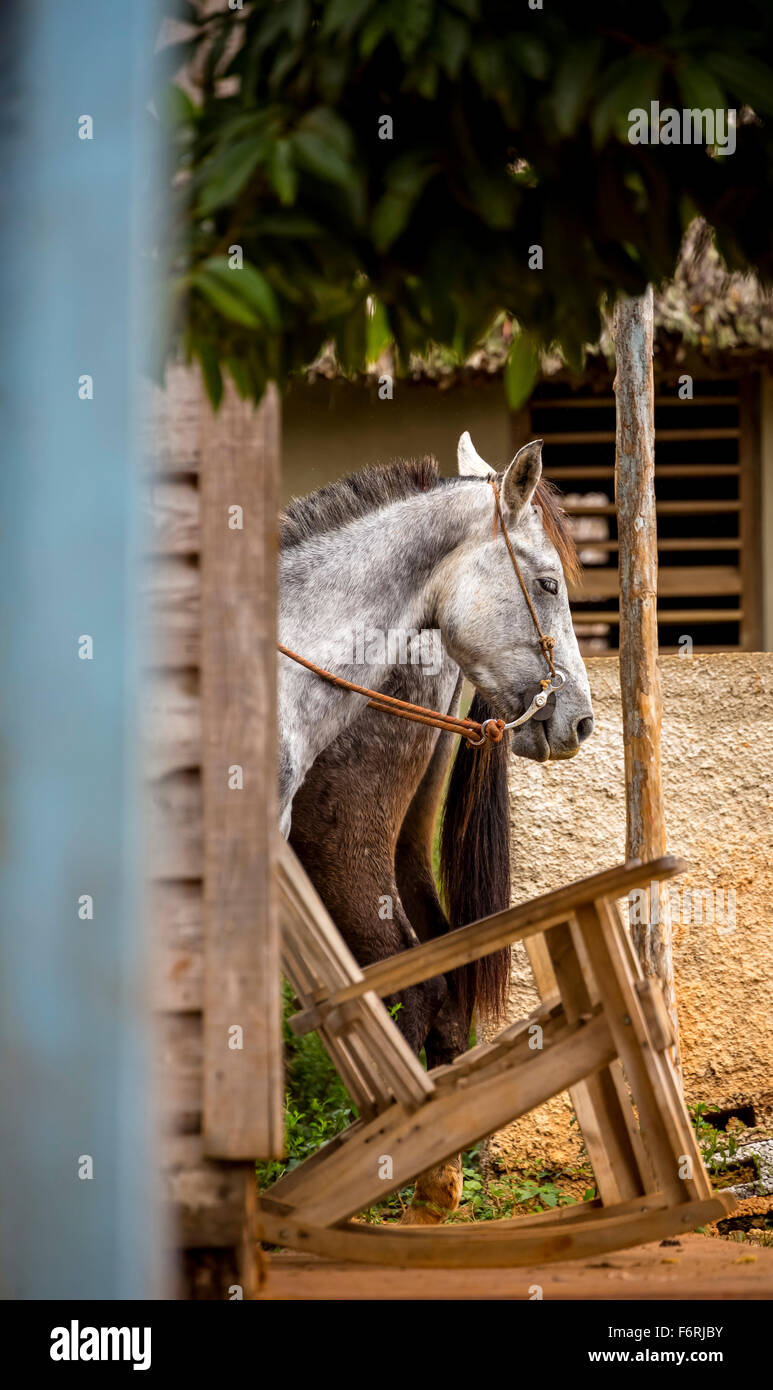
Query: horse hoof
{"points": [[437, 1193], [422, 1216]]}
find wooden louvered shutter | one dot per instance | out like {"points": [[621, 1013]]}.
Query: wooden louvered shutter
{"points": [[707, 475]]}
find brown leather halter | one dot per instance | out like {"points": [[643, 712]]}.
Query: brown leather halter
{"points": [[491, 730]]}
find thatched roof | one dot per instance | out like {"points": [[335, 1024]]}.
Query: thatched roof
{"points": [[706, 319]]}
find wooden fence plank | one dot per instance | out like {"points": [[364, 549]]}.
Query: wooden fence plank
{"points": [[177, 913], [171, 611], [171, 722], [206, 1201], [179, 1055], [170, 423], [243, 1084], [171, 510], [175, 826]]}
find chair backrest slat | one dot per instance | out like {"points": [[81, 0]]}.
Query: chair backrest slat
{"points": [[371, 1055]]}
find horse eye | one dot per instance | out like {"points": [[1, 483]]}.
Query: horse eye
{"points": [[549, 585]]}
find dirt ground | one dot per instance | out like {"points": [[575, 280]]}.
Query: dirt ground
{"points": [[690, 1267]]}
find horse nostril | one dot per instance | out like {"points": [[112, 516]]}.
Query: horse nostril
{"points": [[584, 728]]}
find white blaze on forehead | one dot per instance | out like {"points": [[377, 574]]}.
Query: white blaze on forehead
{"points": [[469, 460]]}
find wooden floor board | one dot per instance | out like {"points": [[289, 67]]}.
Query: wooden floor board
{"points": [[697, 1267]]}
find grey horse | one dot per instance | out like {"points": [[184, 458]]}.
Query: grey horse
{"points": [[399, 551]]}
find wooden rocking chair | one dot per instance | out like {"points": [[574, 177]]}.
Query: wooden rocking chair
{"points": [[605, 1037]]}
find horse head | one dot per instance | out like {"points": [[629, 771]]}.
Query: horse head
{"points": [[487, 622]]}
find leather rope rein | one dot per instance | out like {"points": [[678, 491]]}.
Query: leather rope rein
{"points": [[547, 643], [391, 705], [491, 730]]}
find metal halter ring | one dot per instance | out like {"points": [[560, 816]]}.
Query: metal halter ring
{"points": [[548, 688], [478, 742]]}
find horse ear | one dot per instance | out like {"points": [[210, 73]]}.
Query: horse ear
{"points": [[469, 460], [521, 478]]}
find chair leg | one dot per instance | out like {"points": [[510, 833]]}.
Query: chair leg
{"points": [[602, 1103], [663, 1123], [667, 1083]]}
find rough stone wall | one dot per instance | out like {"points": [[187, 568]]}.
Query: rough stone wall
{"points": [[568, 821]]}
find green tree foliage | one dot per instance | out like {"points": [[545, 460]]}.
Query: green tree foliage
{"points": [[509, 131]]}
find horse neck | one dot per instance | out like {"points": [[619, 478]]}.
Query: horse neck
{"points": [[379, 570]]}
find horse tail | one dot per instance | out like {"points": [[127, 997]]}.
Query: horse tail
{"points": [[475, 860]]}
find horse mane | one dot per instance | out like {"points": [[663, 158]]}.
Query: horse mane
{"points": [[346, 499], [378, 485], [556, 524]]}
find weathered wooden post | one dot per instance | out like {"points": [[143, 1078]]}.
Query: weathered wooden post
{"points": [[209, 693], [639, 675], [239, 484]]}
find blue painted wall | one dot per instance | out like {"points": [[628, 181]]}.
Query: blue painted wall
{"points": [[74, 1037]]}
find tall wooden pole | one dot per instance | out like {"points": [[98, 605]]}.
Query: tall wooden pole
{"points": [[639, 675]]}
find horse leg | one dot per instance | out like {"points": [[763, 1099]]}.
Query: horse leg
{"points": [[346, 837], [371, 938], [438, 1191], [345, 845]]}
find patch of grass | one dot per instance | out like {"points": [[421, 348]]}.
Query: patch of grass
{"points": [[754, 1235], [519, 1194], [317, 1104], [717, 1146]]}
